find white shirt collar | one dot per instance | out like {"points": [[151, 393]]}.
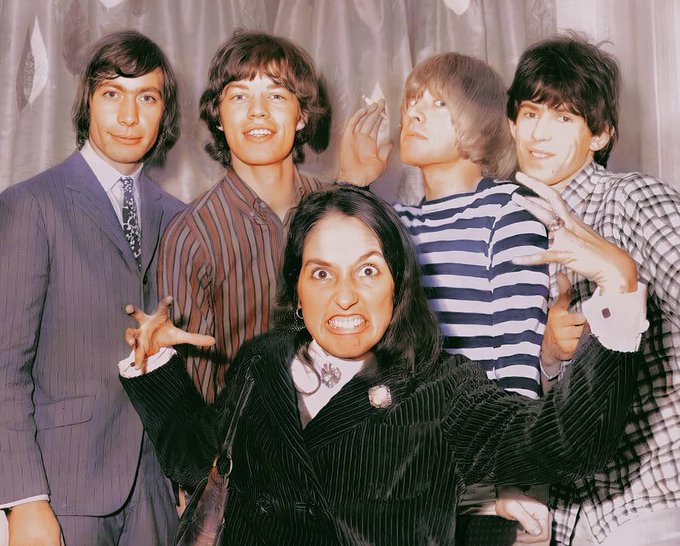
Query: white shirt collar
{"points": [[107, 175]]}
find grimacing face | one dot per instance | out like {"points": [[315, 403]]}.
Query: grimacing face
{"points": [[125, 117], [345, 287]]}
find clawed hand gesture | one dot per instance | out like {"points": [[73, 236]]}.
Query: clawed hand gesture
{"points": [[157, 331], [574, 244], [361, 159]]}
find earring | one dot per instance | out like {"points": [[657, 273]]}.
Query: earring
{"points": [[220, 128], [298, 313]]}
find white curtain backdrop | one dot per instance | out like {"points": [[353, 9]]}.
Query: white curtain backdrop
{"points": [[362, 47]]}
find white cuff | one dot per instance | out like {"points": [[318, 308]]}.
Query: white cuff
{"points": [[24, 501], [618, 320], [126, 366]]}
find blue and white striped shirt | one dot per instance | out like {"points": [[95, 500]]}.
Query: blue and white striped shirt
{"points": [[489, 309]]}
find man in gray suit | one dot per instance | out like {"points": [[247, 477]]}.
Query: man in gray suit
{"points": [[77, 241]]}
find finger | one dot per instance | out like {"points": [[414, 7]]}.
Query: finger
{"points": [[199, 340], [355, 119], [378, 119], [553, 197], [131, 336], [135, 313], [527, 521], [384, 151], [542, 538], [370, 120], [574, 319], [550, 256], [163, 306], [563, 301], [140, 354], [537, 207]]}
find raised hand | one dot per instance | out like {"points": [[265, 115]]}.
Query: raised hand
{"points": [[563, 329], [574, 244], [361, 159], [157, 331]]}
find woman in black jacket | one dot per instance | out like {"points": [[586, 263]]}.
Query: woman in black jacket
{"points": [[358, 430]]}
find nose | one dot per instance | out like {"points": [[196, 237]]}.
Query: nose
{"points": [[345, 293], [128, 113], [258, 108], [540, 130], [415, 113]]}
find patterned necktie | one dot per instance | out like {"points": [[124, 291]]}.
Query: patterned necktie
{"points": [[131, 220]]}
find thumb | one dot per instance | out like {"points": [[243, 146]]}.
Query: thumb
{"points": [[384, 151], [526, 519], [566, 290]]}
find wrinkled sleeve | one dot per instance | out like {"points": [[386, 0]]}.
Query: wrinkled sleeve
{"points": [[502, 438]]}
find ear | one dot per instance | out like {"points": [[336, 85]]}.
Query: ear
{"points": [[302, 122], [600, 141]]}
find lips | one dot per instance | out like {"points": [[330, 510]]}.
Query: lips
{"points": [[259, 132], [346, 323], [413, 134], [539, 154], [127, 139]]}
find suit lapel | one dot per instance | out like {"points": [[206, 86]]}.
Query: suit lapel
{"points": [[350, 407], [91, 198], [152, 214], [281, 401]]}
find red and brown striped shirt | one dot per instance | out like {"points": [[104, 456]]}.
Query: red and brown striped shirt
{"points": [[220, 260]]}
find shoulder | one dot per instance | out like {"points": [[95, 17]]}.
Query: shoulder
{"points": [[193, 221], [44, 188], [638, 185], [312, 183]]}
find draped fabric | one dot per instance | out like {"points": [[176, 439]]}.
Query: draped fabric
{"points": [[362, 47]]}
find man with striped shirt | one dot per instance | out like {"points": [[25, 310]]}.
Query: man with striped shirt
{"points": [[220, 258], [467, 230], [563, 108]]}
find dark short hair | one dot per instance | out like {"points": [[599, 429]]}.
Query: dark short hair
{"points": [[412, 339], [129, 54], [249, 54], [475, 95], [567, 71]]}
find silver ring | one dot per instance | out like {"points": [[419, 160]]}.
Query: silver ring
{"points": [[555, 224]]}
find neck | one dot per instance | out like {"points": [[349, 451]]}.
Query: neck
{"points": [[463, 176], [274, 184]]}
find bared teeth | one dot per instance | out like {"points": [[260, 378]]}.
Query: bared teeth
{"points": [[348, 323], [259, 132]]}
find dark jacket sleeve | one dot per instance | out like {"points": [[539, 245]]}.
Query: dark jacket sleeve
{"points": [[503, 438], [186, 432]]}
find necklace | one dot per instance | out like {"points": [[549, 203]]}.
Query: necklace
{"points": [[330, 375]]}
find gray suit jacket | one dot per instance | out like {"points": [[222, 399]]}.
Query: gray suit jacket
{"points": [[66, 274]]}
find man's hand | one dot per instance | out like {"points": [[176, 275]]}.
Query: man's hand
{"points": [[563, 329], [33, 524], [535, 520], [574, 244], [156, 331], [361, 160]]}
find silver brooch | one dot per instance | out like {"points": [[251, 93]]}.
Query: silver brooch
{"points": [[330, 375], [380, 396]]}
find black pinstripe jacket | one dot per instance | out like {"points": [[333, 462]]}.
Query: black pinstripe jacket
{"points": [[362, 475]]}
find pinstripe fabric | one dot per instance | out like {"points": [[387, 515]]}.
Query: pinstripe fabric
{"points": [[362, 475], [641, 215], [220, 261], [488, 309], [66, 274]]}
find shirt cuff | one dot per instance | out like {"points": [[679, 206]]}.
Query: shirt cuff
{"points": [[126, 366], [24, 501], [618, 320]]}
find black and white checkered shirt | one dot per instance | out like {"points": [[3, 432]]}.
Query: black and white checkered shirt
{"points": [[641, 215]]}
